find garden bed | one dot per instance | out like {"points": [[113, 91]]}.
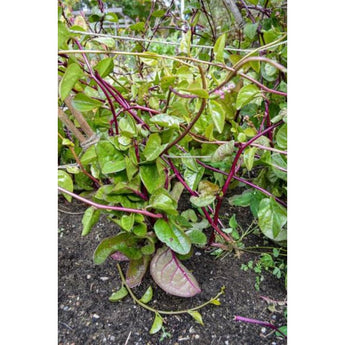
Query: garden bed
{"points": [[86, 316]]}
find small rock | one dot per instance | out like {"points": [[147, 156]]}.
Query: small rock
{"points": [[88, 276], [263, 330], [197, 253], [112, 338], [104, 279], [196, 336], [95, 316]]}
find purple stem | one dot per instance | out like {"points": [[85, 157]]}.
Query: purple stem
{"points": [[259, 322], [106, 207], [233, 167]]}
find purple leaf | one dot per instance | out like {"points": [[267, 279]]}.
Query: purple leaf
{"points": [[118, 256], [171, 276], [136, 271]]}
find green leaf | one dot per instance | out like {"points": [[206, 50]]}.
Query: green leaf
{"points": [[272, 217], [217, 114], [196, 316], [65, 181], [118, 295], [158, 13], [173, 237], [126, 222], [281, 137], [246, 95], [278, 160], [202, 200], [107, 41], [215, 301], [250, 30], [185, 42], [197, 237], [152, 177], [113, 166], [153, 147], [282, 329], [63, 35], [218, 48], [202, 93], [147, 296], [90, 218], [157, 324], [89, 155], [111, 17], [233, 222], [123, 242], [162, 200], [167, 121], [249, 155], [72, 74], [223, 151], [84, 103], [105, 67], [138, 27]]}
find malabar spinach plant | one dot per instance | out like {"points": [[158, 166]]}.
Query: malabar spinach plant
{"points": [[173, 105]]}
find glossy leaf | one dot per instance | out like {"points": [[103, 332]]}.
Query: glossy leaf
{"points": [[174, 238], [272, 217], [218, 48], [281, 137], [118, 295], [196, 316], [197, 237], [85, 103], [152, 177], [72, 74], [218, 115], [202, 200], [250, 30], [153, 147], [171, 275], [147, 296], [105, 67], [123, 242], [248, 158], [90, 218], [167, 121], [136, 271], [157, 324], [246, 95], [185, 42], [65, 181], [197, 92], [223, 151], [162, 200]]}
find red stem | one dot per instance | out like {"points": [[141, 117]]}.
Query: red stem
{"points": [[113, 208]]}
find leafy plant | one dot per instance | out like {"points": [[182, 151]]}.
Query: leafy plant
{"points": [[139, 125]]}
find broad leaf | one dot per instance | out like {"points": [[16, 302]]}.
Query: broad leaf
{"points": [[218, 115], [202, 200], [272, 217], [85, 103], [136, 271], [105, 67], [153, 147], [202, 93], [281, 137], [171, 275], [167, 121], [223, 151], [123, 242], [246, 95], [173, 237], [65, 181], [197, 237], [218, 49], [250, 30], [72, 74], [162, 200], [152, 177], [90, 218], [249, 155]]}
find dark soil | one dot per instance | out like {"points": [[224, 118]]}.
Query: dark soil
{"points": [[86, 316]]}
